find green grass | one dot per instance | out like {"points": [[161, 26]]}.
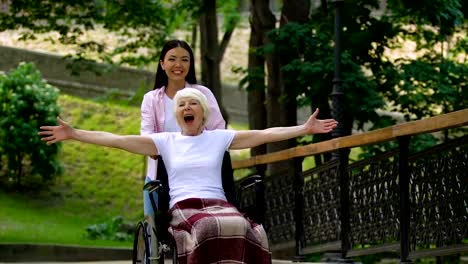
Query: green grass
{"points": [[24, 220], [109, 180]]}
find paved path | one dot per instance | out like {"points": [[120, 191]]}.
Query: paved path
{"points": [[87, 262], [40, 253], [126, 262]]}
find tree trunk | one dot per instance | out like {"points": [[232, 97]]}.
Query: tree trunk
{"points": [[284, 113], [209, 48], [193, 41], [322, 99], [324, 7], [325, 113], [18, 169], [212, 52], [261, 21]]}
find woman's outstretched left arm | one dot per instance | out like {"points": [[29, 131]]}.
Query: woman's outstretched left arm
{"points": [[253, 138]]}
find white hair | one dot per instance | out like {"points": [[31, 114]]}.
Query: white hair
{"points": [[193, 93]]}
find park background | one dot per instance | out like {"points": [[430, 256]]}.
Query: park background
{"points": [[401, 61]]}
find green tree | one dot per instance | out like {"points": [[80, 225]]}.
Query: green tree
{"points": [[26, 102], [141, 25], [436, 81], [142, 28], [307, 66], [433, 83]]}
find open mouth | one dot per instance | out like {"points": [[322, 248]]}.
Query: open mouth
{"points": [[189, 118]]}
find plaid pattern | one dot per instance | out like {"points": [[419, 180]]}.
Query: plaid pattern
{"points": [[214, 231]]}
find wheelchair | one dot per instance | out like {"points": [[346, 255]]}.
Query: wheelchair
{"points": [[152, 242]]}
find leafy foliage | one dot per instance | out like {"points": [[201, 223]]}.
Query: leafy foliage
{"points": [[115, 229], [141, 25], [189, 11], [375, 84], [435, 82], [26, 102], [427, 87], [445, 14], [310, 78]]}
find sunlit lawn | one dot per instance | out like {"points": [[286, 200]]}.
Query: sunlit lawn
{"points": [[23, 220]]}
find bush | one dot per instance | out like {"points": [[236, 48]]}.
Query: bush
{"points": [[115, 230], [27, 102]]}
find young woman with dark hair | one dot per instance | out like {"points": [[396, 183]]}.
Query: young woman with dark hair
{"points": [[176, 71]]}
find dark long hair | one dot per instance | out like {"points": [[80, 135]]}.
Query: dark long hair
{"points": [[161, 76]]}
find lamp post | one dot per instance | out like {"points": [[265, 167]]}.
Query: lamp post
{"points": [[337, 93], [338, 113]]}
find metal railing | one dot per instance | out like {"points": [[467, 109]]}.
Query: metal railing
{"points": [[415, 205]]}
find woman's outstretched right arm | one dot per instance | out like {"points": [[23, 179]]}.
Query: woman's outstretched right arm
{"points": [[131, 143]]}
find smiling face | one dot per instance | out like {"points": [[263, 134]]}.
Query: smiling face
{"points": [[176, 64], [190, 116]]}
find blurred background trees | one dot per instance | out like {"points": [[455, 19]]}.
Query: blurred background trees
{"points": [[401, 61], [379, 83]]}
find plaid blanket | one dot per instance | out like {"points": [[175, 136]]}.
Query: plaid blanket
{"points": [[214, 231]]}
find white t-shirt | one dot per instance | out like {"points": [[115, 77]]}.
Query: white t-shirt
{"points": [[193, 163], [170, 120]]}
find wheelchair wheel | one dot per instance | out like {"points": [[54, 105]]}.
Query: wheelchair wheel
{"points": [[155, 256], [140, 245], [146, 245]]}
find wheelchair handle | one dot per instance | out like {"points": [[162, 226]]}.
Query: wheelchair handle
{"points": [[249, 181], [152, 186]]}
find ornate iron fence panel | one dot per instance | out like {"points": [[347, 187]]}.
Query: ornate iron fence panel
{"points": [[279, 203], [438, 199], [321, 205], [279, 207], [374, 201], [439, 196]]}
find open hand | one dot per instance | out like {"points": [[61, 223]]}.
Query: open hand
{"points": [[54, 134], [314, 125]]}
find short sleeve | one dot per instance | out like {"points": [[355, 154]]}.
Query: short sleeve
{"points": [[160, 140], [227, 136]]}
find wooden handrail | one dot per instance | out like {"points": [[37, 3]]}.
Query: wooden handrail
{"points": [[427, 125]]}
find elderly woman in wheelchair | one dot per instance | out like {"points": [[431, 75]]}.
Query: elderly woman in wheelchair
{"points": [[203, 226], [150, 245]]}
